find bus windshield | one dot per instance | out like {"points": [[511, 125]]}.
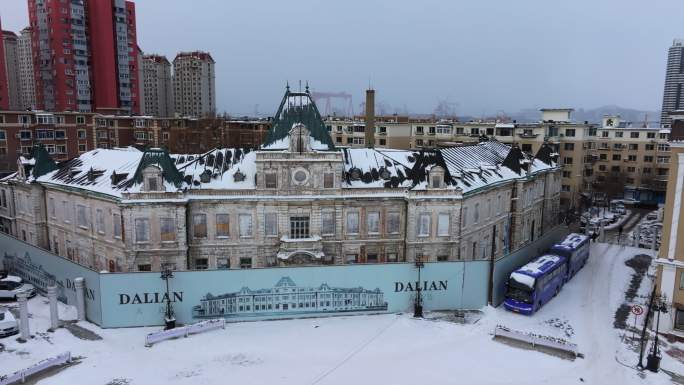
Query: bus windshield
{"points": [[519, 291]]}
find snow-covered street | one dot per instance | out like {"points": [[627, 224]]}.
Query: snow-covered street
{"points": [[392, 349]]}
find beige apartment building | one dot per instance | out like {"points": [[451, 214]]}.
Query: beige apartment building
{"points": [[670, 261], [157, 86], [612, 159], [194, 84], [27, 84], [12, 68]]}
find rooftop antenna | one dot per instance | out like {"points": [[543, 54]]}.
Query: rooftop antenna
{"points": [[300, 86], [645, 120]]}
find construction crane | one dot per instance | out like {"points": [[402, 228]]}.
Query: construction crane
{"points": [[329, 96]]}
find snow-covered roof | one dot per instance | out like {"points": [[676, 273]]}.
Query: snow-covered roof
{"points": [[573, 241], [222, 169], [540, 265], [102, 171], [466, 167]]}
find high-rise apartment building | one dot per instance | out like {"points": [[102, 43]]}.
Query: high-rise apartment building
{"points": [[85, 55], [673, 98], [193, 82], [27, 86], [11, 68], [158, 86], [4, 89]]}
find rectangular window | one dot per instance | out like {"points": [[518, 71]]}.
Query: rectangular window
{"points": [[328, 180], [201, 263], [328, 223], [634, 135], [116, 221], [569, 132], [617, 157], [100, 221], [567, 160], [373, 222], [271, 180], [67, 211], [424, 225], [246, 263], [223, 263], [391, 257], [222, 225], [443, 224], [245, 224], [145, 267], [393, 222], [53, 214], [299, 227], [199, 225], [650, 147], [142, 230], [351, 258], [618, 134], [569, 146], [81, 216], [353, 222], [372, 258], [650, 135], [632, 158], [271, 224], [167, 227], [81, 134]]}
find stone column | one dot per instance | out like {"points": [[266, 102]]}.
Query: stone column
{"points": [[54, 315], [22, 298], [79, 285]]}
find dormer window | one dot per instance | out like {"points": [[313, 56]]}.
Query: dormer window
{"points": [[152, 179], [437, 177]]}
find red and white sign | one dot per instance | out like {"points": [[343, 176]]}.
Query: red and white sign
{"points": [[637, 310]]}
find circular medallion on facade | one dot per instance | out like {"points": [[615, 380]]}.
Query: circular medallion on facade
{"points": [[300, 176]]}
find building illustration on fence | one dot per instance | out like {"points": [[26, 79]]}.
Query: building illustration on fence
{"points": [[33, 273], [286, 298]]}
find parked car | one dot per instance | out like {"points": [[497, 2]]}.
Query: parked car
{"points": [[8, 324], [6, 277], [10, 289]]}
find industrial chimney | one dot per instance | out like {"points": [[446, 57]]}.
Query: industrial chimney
{"points": [[370, 118]]}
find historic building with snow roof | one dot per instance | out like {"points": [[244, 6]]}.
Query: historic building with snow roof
{"points": [[297, 199]]}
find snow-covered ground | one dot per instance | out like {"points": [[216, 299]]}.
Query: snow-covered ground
{"points": [[381, 349]]}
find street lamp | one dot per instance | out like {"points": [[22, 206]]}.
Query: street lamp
{"points": [[418, 302], [169, 319], [653, 358]]}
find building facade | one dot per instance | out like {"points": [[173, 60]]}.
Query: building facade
{"points": [[4, 89], [670, 261], [673, 97], [296, 200], [27, 85], [10, 46], [194, 87], [85, 56], [158, 86]]}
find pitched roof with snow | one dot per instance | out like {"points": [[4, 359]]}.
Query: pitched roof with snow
{"points": [[297, 107], [467, 167], [221, 169]]}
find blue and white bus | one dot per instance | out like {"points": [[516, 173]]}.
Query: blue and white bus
{"points": [[575, 248], [534, 284]]}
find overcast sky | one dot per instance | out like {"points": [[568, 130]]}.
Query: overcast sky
{"points": [[487, 56]]}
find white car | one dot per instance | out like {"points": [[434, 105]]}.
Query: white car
{"points": [[8, 324], [10, 289], [7, 278]]}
